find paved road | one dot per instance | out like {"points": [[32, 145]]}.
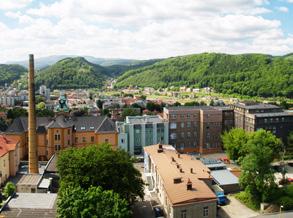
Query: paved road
{"points": [[277, 215], [235, 209]]}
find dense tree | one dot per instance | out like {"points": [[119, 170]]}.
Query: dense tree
{"points": [[151, 106], [16, 112], [246, 74], [41, 106], [40, 98], [257, 175], [130, 112], [9, 189], [10, 72], [45, 113], [3, 125], [234, 143], [100, 165], [100, 104], [75, 202]]}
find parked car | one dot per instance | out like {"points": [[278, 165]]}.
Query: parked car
{"points": [[159, 212]]}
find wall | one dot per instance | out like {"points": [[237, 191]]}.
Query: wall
{"points": [[4, 167]]}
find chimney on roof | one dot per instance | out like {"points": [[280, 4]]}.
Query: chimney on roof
{"points": [[189, 185], [181, 170], [32, 136], [178, 155], [173, 159], [160, 149], [191, 170]]}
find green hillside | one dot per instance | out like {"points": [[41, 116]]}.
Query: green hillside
{"points": [[72, 73], [10, 72], [247, 74]]}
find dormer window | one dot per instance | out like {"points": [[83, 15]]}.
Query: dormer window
{"points": [[82, 128], [92, 128]]}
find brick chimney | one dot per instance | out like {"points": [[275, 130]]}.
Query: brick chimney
{"points": [[32, 137], [189, 185]]}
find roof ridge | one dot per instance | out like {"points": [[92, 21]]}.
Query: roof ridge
{"points": [[101, 123]]}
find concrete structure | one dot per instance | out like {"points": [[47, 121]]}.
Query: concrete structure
{"points": [[181, 182], [9, 158], [54, 134], [195, 128], [139, 131], [33, 183], [252, 116], [44, 91], [32, 135]]}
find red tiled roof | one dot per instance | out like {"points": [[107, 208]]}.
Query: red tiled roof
{"points": [[6, 144]]}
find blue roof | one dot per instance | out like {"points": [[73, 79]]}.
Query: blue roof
{"points": [[224, 177]]}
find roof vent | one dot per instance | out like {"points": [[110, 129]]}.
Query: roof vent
{"points": [[191, 170], [177, 165], [189, 185], [181, 170], [173, 159], [178, 155], [177, 180]]}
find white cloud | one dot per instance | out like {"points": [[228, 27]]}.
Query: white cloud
{"points": [[290, 1], [13, 4], [283, 9], [142, 29]]}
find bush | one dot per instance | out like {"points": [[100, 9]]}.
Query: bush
{"points": [[9, 189], [246, 198], [289, 191], [286, 202]]}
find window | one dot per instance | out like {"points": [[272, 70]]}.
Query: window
{"points": [[92, 138], [92, 128], [122, 140], [83, 139], [182, 134], [173, 116], [68, 142], [76, 139], [173, 136], [106, 140], [82, 128], [57, 147], [205, 211], [182, 124], [182, 116], [183, 213], [173, 125], [188, 124], [188, 134], [68, 131]]}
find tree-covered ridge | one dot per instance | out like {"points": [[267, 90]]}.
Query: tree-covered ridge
{"points": [[72, 73], [246, 74], [10, 72]]}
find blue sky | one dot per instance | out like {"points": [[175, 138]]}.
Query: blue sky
{"points": [[144, 29]]}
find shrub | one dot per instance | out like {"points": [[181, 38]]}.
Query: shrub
{"points": [[289, 190], [9, 189], [246, 198], [286, 202]]}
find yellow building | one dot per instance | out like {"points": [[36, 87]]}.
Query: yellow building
{"points": [[54, 134], [9, 158]]}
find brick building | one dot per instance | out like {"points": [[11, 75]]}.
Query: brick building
{"points": [[252, 116], [61, 132], [197, 128]]}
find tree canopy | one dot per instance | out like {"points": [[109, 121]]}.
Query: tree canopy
{"points": [[245, 74], [75, 202], [100, 165]]}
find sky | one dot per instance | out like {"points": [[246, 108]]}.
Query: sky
{"points": [[143, 29]]}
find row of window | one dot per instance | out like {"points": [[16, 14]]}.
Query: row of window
{"points": [[205, 212]]}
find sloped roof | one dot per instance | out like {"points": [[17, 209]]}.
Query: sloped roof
{"points": [[80, 124], [7, 144], [167, 169]]}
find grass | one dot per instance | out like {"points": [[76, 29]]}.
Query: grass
{"points": [[248, 200]]}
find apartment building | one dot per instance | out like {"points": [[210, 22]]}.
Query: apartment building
{"points": [[9, 158], [252, 116], [182, 183], [195, 128], [140, 131], [56, 133]]}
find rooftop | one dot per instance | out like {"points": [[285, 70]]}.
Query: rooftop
{"points": [[166, 163], [254, 105], [144, 119], [80, 124], [276, 114], [7, 144], [224, 177], [30, 179]]}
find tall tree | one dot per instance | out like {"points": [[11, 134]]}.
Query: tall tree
{"points": [[75, 202], [100, 165]]}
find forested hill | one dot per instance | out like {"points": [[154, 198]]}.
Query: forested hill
{"points": [[10, 72], [246, 74], [72, 73]]}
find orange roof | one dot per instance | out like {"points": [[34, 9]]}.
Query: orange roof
{"points": [[7, 144], [167, 169]]}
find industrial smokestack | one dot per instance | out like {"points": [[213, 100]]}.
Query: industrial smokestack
{"points": [[32, 137]]}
